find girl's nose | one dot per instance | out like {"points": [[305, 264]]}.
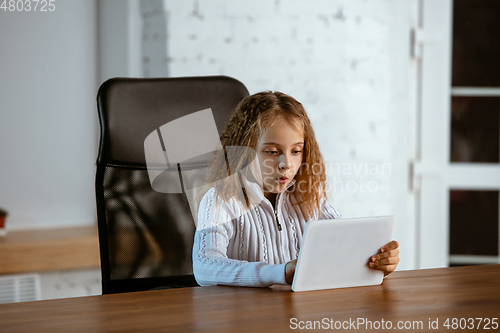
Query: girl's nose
{"points": [[284, 162]]}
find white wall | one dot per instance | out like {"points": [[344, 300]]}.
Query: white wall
{"points": [[347, 61], [120, 32], [48, 126]]}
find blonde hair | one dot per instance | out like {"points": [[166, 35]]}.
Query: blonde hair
{"points": [[253, 115]]}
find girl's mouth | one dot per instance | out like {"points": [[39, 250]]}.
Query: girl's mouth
{"points": [[282, 180]]}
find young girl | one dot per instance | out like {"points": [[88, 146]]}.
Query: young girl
{"points": [[254, 239]]}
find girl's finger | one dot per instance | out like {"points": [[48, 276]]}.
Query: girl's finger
{"points": [[385, 268], [390, 270], [391, 253], [387, 261], [389, 246]]}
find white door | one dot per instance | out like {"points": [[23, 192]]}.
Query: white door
{"points": [[456, 174]]}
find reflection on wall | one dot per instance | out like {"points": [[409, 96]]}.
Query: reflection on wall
{"points": [[474, 222], [475, 126], [476, 48]]}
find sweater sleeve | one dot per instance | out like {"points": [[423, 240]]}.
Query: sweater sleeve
{"points": [[211, 265]]}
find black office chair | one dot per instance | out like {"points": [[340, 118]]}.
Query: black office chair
{"points": [[146, 237]]}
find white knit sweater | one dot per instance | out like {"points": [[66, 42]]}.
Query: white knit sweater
{"points": [[235, 248]]}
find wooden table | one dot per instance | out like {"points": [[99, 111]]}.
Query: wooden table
{"points": [[409, 296]]}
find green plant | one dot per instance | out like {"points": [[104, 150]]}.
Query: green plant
{"points": [[3, 212]]}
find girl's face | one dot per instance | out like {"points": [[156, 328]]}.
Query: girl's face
{"points": [[280, 150]]}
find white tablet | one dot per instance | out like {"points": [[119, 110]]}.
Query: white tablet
{"points": [[335, 253]]}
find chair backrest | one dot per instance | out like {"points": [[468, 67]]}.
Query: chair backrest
{"points": [[146, 237]]}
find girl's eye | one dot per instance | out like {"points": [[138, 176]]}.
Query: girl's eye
{"points": [[271, 152], [296, 152]]}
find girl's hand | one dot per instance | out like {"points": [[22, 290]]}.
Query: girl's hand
{"points": [[290, 271], [387, 259]]}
